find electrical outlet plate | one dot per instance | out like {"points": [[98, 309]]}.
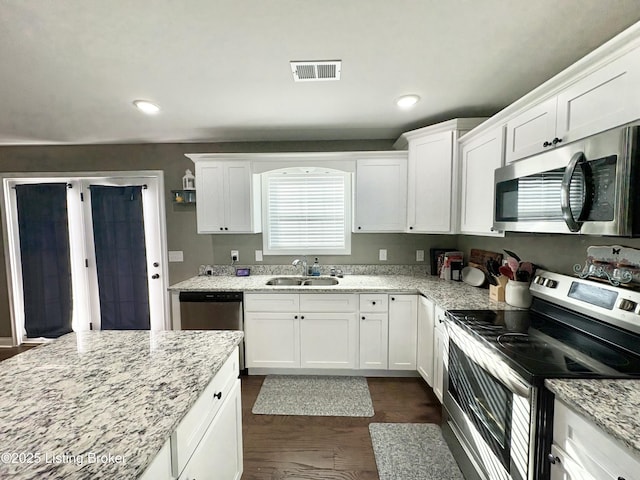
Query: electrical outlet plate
{"points": [[419, 255], [258, 255], [234, 255], [382, 254]]}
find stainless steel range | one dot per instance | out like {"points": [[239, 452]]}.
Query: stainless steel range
{"points": [[498, 415]]}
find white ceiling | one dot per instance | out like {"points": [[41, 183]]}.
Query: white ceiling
{"points": [[220, 70]]}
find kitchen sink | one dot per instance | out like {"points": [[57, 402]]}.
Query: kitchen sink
{"points": [[285, 281], [294, 281], [321, 281]]}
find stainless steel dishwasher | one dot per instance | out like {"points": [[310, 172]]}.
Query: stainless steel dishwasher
{"points": [[212, 311]]}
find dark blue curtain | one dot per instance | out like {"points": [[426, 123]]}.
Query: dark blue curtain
{"points": [[44, 249], [118, 231]]}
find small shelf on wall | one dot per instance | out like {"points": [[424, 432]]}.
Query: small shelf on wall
{"points": [[184, 197]]}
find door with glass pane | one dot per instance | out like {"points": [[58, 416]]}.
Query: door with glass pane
{"points": [[124, 254]]}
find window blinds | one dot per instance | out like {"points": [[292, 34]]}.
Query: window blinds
{"points": [[307, 212]]}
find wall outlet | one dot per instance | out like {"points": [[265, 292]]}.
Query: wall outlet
{"points": [[382, 254], [235, 256], [419, 255], [258, 255], [176, 256]]}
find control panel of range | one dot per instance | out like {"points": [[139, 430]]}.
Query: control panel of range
{"points": [[617, 305]]}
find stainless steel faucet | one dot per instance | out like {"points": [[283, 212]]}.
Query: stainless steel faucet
{"points": [[297, 262]]}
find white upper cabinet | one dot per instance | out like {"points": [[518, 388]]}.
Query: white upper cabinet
{"points": [[598, 98], [479, 157], [604, 99], [381, 193], [228, 196], [431, 186], [532, 131]]}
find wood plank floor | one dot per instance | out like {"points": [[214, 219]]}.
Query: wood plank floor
{"points": [[291, 447], [11, 351]]}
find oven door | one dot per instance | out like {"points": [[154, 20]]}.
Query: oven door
{"points": [[490, 409]]}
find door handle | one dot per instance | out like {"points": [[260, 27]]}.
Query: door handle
{"points": [[573, 224]]}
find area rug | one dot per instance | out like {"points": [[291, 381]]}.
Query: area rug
{"points": [[314, 395], [412, 451]]}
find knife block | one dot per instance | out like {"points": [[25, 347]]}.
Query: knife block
{"points": [[496, 293]]}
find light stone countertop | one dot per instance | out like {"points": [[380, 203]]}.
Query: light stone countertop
{"points": [[107, 392], [612, 405], [446, 294]]}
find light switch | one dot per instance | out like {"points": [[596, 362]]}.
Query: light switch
{"points": [[382, 254], [176, 256], [419, 255], [258, 255]]}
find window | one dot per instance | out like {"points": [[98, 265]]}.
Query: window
{"points": [[306, 210]]}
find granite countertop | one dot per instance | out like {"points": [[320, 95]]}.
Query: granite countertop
{"points": [[446, 294], [612, 405], [115, 394]]}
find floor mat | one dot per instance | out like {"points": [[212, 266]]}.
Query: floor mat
{"points": [[331, 396], [412, 451]]}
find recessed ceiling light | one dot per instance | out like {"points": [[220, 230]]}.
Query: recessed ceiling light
{"points": [[146, 107], [407, 101]]}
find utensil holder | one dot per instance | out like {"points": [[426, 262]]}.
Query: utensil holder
{"points": [[496, 293], [517, 294]]}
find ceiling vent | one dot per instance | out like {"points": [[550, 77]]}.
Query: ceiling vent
{"points": [[316, 71]]}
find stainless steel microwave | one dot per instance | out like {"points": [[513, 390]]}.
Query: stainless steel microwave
{"points": [[591, 186]]}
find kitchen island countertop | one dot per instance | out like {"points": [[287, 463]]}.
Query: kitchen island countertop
{"points": [[612, 405], [101, 404], [446, 294]]}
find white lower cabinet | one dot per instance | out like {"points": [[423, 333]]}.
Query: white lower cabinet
{"points": [[440, 352], [328, 340], [374, 331], [219, 454], [403, 331], [301, 330], [425, 339], [160, 467], [582, 451]]}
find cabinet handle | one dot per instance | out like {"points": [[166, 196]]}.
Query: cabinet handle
{"points": [[221, 228], [156, 264], [547, 144], [553, 459], [373, 303], [155, 276], [226, 228], [359, 228], [557, 140], [301, 317], [621, 478], [410, 228], [295, 317], [393, 299], [363, 318], [217, 395]]}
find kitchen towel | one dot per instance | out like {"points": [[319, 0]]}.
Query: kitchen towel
{"points": [[412, 451], [330, 396]]}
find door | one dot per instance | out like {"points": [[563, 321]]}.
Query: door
{"points": [[328, 340], [374, 338], [426, 330], [124, 253], [79, 274]]}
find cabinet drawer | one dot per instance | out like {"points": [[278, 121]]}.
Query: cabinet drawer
{"points": [[374, 302], [272, 302], [328, 302], [190, 430]]}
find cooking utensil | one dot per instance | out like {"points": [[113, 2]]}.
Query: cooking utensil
{"points": [[513, 255], [506, 271], [513, 264]]}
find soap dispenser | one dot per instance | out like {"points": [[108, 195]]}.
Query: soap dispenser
{"points": [[315, 269]]}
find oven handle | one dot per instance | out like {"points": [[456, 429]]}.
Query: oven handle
{"points": [[578, 160]]}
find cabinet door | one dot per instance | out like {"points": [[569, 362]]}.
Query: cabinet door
{"points": [[374, 338], [381, 195], [566, 468], [528, 132], [425, 339], [440, 350], [403, 331], [328, 340], [429, 189], [160, 467], [479, 159], [219, 453], [602, 100], [272, 340], [239, 198], [210, 205]]}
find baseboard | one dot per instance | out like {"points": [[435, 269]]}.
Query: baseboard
{"points": [[336, 372], [6, 342]]}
